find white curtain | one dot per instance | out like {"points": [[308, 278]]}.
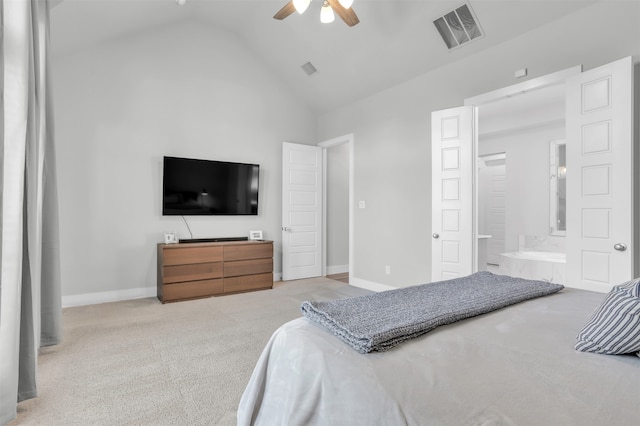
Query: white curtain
{"points": [[30, 300]]}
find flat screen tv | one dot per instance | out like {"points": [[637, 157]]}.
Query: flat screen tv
{"points": [[204, 187]]}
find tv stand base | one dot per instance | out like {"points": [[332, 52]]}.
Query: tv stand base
{"points": [[213, 240]]}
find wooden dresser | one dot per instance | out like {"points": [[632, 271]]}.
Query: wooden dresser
{"points": [[195, 270]]}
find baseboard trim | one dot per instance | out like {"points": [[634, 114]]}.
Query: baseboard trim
{"points": [[119, 295], [369, 285], [337, 269], [107, 296]]}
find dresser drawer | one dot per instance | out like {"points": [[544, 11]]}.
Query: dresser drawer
{"points": [[248, 267], [195, 272], [192, 289], [249, 282], [189, 255], [248, 251]]}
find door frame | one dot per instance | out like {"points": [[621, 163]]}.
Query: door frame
{"points": [[325, 145], [526, 86], [548, 80]]}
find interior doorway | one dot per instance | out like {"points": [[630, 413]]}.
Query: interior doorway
{"points": [[513, 214], [597, 248], [337, 202]]}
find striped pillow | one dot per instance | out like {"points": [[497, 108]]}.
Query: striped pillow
{"points": [[614, 328]]}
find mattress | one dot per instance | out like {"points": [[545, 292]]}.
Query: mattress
{"points": [[513, 366]]}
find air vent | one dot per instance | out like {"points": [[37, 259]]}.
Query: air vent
{"points": [[458, 27], [309, 68]]}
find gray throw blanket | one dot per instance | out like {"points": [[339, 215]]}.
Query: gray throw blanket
{"points": [[380, 321]]}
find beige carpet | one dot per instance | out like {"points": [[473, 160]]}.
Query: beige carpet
{"points": [[140, 362]]}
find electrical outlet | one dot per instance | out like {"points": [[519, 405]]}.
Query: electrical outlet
{"points": [[387, 270], [521, 73]]}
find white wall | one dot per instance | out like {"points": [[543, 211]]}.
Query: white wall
{"points": [[392, 130], [184, 90]]}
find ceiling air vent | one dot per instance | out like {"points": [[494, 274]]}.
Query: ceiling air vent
{"points": [[458, 27], [309, 68]]}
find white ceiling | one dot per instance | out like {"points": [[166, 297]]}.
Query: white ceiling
{"points": [[395, 40]]}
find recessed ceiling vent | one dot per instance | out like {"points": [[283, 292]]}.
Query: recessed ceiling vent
{"points": [[458, 27], [309, 68]]}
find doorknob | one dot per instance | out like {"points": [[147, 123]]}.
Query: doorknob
{"points": [[436, 236], [620, 247], [286, 229]]}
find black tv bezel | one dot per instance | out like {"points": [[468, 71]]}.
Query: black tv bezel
{"points": [[163, 208]]}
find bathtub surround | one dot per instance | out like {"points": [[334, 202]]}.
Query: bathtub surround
{"points": [[546, 243], [538, 257]]}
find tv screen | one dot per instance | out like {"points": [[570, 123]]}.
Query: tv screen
{"points": [[204, 187]]}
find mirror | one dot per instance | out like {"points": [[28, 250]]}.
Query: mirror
{"points": [[558, 187]]}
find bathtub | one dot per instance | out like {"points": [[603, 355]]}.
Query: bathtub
{"points": [[535, 265], [542, 256]]}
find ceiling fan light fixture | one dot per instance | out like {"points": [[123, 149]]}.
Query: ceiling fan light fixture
{"points": [[345, 3], [326, 13], [301, 5]]}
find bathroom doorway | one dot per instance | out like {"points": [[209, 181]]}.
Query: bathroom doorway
{"points": [[596, 123], [513, 213]]}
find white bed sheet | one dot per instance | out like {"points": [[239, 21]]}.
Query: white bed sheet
{"points": [[514, 366]]}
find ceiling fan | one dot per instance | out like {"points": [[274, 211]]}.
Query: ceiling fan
{"points": [[341, 7]]}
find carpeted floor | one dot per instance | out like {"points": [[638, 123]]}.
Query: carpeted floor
{"points": [[140, 362]]}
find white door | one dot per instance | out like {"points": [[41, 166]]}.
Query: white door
{"points": [[452, 145], [301, 211], [496, 217], [492, 204], [600, 177]]}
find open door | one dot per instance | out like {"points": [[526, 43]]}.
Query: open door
{"points": [[301, 211], [600, 177], [452, 224]]}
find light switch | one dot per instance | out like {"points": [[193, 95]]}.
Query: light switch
{"points": [[361, 204]]}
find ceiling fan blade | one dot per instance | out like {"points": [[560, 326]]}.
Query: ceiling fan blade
{"points": [[286, 10], [347, 15]]}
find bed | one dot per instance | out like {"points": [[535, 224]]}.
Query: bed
{"points": [[513, 366]]}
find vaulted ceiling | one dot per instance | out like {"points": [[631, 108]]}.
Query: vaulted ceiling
{"points": [[394, 41]]}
